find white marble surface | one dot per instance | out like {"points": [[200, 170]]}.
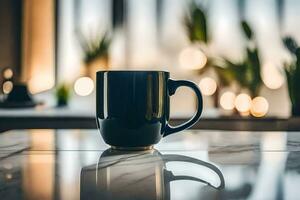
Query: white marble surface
{"points": [[255, 165]]}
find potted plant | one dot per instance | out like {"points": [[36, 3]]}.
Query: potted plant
{"points": [[95, 53], [195, 23], [62, 95], [292, 72], [245, 73]]}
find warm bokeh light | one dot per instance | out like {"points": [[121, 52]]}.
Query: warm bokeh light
{"points": [[8, 176], [7, 87], [227, 100], [259, 107], [243, 103], [245, 114], [208, 86], [192, 58], [272, 77], [8, 73], [84, 86]]}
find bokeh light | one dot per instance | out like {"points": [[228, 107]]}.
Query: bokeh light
{"points": [[245, 114], [8, 176], [84, 86], [7, 87], [192, 58], [208, 86], [243, 103], [272, 77], [259, 107], [227, 100], [8, 73]]}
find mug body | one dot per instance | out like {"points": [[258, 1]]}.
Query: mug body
{"points": [[132, 107], [125, 175]]}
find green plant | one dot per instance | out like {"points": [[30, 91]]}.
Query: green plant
{"points": [[196, 27], [94, 48], [247, 72], [292, 72], [62, 94], [196, 24]]}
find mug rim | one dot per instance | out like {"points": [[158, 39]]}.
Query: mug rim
{"points": [[134, 71]]}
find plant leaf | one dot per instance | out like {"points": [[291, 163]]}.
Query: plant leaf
{"points": [[94, 48], [290, 44], [196, 24], [247, 30], [253, 71]]}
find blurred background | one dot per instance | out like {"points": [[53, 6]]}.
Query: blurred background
{"points": [[242, 54]]}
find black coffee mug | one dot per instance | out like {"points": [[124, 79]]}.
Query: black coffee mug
{"points": [[133, 107]]}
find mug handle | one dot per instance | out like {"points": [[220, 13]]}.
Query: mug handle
{"points": [[172, 87], [181, 158]]}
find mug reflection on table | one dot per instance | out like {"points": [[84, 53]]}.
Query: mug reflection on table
{"points": [[133, 107], [136, 175]]}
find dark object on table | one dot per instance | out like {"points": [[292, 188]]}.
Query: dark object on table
{"points": [[19, 97], [133, 107]]}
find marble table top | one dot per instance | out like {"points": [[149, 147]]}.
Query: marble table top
{"points": [[194, 164]]}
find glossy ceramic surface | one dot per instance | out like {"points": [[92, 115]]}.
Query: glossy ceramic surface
{"points": [[133, 107], [116, 173]]}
